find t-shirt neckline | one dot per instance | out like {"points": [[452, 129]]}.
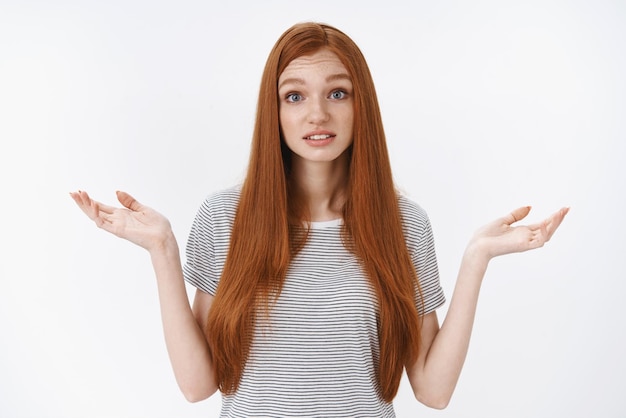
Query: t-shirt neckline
{"points": [[326, 224]]}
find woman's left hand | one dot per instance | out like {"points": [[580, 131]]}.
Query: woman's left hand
{"points": [[501, 237]]}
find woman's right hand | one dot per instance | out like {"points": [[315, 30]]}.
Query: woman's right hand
{"points": [[134, 222]]}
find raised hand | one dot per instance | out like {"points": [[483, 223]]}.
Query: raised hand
{"points": [[501, 237], [134, 222]]}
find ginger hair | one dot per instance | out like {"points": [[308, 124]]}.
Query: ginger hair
{"points": [[267, 228]]}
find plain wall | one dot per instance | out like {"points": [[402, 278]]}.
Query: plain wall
{"points": [[487, 106]]}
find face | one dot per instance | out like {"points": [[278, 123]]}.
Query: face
{"points": [[316, 107]]}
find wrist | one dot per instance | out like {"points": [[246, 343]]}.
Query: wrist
{"points": [[166, 263], [476, 254], [165, 246]]}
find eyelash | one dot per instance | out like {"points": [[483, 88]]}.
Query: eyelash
{"points": [[343, 94], [290, 96]]}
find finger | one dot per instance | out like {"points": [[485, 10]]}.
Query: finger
{"points": [[97, 207], [554, 221], [105, 208], [543, 232], [79, 197], [84, 202], [536, 226], [128, 201], [89, 202], [517, 215], [98, 213], [76, 198], [104, 221], [97, 216], [95, 210]]}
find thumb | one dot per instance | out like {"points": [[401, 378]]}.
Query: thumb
{"points": [[128, 201], [517, 215]]}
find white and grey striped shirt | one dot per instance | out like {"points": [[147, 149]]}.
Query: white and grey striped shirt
{"points": [[315, 355]]}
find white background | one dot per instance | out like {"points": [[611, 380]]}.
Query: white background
{"points": [[487, 105]]}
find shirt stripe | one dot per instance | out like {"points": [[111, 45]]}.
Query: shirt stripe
{"points": [[315, 354]]}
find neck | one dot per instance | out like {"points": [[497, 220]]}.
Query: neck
{"points": [[322, 186]]}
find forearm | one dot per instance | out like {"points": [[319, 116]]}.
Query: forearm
{"points": [[435, 377], [186, 343], [435, 373]]}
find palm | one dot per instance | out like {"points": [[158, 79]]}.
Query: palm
{"points": [[134, 222], [501, 237]]}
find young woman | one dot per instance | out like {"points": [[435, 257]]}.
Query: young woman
{"points": [[317, 282]]}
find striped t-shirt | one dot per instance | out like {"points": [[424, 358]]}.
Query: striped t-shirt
{"points": [[316, 354]]}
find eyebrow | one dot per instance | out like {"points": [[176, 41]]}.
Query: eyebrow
{"points": [[300, 81]]}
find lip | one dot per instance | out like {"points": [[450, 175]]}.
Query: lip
{"points": [[319, 142], [318, 132]]}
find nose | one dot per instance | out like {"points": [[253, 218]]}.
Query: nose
{"points": [[318, 111]]}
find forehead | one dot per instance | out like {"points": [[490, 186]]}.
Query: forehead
{"points": [[323, 61]]}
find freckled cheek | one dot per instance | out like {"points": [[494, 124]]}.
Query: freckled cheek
{"points": [[287, 124], [290, 117], [349, 123]]}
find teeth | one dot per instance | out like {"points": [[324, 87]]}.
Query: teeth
{"points": [[318, 137]]}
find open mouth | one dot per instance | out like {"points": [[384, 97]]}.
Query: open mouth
{"points": [[318, 137]]}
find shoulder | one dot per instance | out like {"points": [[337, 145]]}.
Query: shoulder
{"points": [[219, 206], [229, 197], [222, 200], [208, 242], [416, 225], [413, 215]]}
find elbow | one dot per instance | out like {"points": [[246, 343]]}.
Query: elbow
{"points": [[197, 394], [194, 397], [434, 400], [438, 404]]}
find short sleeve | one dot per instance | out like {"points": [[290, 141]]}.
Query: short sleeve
{"points": [[208, 241], [421, 245]]}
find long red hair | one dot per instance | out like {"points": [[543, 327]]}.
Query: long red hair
{"points": [[265, 233]]}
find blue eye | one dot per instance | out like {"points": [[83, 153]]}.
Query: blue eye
{"points": [[338, 94], [294, 97]]}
